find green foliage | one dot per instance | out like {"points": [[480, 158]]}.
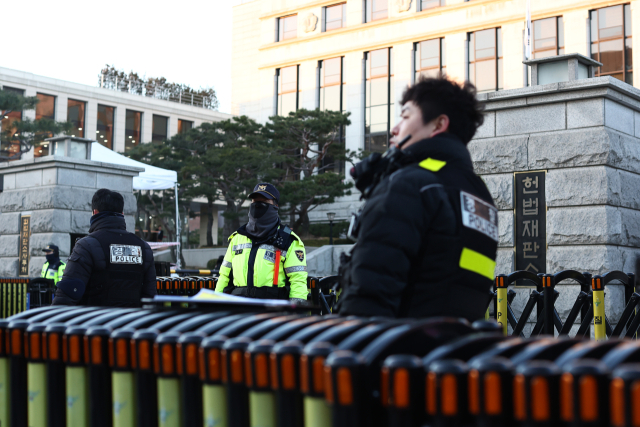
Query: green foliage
{"points": [[18, 135], [157, 87], [304, 139]]}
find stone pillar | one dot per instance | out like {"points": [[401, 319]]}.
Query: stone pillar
{"points": [[586, 135], [56, 191]]}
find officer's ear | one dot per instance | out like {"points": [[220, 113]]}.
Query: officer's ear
{"points": [[95, 211]]}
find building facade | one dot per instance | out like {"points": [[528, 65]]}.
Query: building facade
{"points": [[359, 55], [116, 119]]}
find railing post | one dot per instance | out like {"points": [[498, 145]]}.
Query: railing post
{"points": [[502, 302], [549, 284], [597, 287]]}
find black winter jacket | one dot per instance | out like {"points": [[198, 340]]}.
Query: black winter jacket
{"points": [[88, 255], [407, 261]]}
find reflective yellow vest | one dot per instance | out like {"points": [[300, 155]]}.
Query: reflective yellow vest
{"points": [[56, 275], [292, 267]]}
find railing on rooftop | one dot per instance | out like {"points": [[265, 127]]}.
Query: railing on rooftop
{"points": [[168, 92]]}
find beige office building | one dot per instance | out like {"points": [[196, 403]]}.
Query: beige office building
{"points": [[359, 55]]}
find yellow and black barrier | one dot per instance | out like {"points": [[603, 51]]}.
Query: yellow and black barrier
{"points": [[18, 294], [84, 366]]}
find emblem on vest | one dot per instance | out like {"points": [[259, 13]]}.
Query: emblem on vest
{"points": [[239, 252], [300, 255], [270, 256], [125, 254]]}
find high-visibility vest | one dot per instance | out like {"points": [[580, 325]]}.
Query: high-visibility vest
{"points": [[56, 275]]}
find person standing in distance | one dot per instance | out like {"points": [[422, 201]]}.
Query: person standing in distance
{"points": [[111, 266], [265, 259], [428, 232], [54, 268]]}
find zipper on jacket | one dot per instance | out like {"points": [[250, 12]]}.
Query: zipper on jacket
{"points": [[252, 264]]}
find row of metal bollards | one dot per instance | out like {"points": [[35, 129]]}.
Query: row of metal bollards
{"points": [[88, 366], [589, 304], [18, 294]]}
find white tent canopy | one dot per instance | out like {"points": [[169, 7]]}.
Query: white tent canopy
{"points": [[153, 178]]}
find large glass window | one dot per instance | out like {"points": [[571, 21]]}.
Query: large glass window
{"points": [[132, 129], [430, 4], [104, 132], [184, 126], [9, 121], [75, 115], [331, 98], [376, 9], [287, 27], [548, 37], [45, 109], [430, 58], [159, 128], [335, 17], [611, 41], [485, 59], [287, 90], [379, 99]]}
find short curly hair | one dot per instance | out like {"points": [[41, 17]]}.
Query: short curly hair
{"points": [[439, 95]]}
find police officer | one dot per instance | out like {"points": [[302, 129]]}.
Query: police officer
{"points": [[53, 268], [427, 234], [265, 259], [111, 266]]}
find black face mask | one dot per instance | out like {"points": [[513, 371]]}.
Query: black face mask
{"points": [[263, 218], [52, 258]]}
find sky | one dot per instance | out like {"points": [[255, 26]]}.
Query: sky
{"points": [[185, 41]]}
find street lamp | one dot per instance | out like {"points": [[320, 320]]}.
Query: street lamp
{"points": [[331, 216]]}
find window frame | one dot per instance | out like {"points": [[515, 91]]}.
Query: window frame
{"points": [[499, 59], [339, 166], [14, 116], [442, 62], [369, 77], [40, 146], [421, 8], [128, 146], [280, 33], [111, 140], [82, 129], [343, 20], [166, 131], [180, 122], [368, 11], [279, 84], [558, 48], [626, 73]]}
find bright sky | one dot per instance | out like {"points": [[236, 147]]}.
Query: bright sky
{"points": [[185, 41]]}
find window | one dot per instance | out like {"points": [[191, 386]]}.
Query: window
{"points": [[287, 90], [287, 27], [132, 129], [376, 9], [430, 58], [379, 97], [184, 126], [548, 37], [330, 98], [45, 109], [75, 115], [159, 129], [104, 130], [611, 42], [430, 4], [485, 59], [8, 127], [335, 17]]}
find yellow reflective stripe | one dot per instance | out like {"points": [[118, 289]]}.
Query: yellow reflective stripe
{"points": [[478, 263], [432, 165]]}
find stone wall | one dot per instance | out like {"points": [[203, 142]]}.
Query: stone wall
{"points": [[586, 135], [56, 191]]}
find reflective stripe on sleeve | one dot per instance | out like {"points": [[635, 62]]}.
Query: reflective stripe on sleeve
{"points": [[226, 264], [296, 268], [432, 165], [241, 246], [478, 263]]}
